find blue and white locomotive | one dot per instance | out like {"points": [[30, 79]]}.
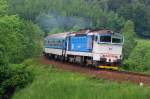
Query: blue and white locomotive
{"points": [[98, 48]]}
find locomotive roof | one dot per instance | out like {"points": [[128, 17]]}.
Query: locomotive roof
{"points": [[103, 32], [84, 31]]}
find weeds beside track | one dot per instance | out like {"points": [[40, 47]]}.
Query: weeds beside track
{"points": [[113, 75]]}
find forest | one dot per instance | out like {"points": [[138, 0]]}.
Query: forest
{"points": [[25, 23]]}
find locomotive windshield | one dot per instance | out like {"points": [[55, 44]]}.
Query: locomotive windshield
{"points": [[110, 39], [105, 39], [116, 40]]}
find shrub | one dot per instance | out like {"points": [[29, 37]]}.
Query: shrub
{"points": [[12, 79], [129, 36], [139, 59]]}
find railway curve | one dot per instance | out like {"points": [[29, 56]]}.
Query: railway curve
{"points": [[118, 76]]}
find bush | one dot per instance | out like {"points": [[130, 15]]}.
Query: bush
{"points": [[139, 59], [129, 36], [12, 79], [19, 40]]}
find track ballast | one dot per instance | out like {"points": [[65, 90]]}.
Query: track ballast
{"points": [[119, 76]]}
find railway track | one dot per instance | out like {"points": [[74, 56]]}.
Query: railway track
{"points": [[112, 75], [125, 76]]}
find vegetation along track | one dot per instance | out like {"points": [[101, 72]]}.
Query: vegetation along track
{"points": [[119, 76]]}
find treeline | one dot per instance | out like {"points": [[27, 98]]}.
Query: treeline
{"points": [[50, 13], [102, 13], [136, 10]]}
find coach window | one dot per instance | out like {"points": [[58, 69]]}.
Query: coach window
{"points": [[105, 39], [49, 42]]}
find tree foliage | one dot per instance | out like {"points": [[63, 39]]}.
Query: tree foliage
{"points": [[136, 10], [139, 57], [129, 38], [103, 13], [79, 9], [13, 79], [3, 7], [19, 40]]}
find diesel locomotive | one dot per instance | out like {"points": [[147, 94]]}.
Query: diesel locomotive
{"points": [[98, 48]]}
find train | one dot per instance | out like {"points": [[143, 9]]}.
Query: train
{"points": [[97, 48]]}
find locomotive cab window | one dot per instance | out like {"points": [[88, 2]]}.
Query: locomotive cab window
{"points": [[96, 38], [105, 39], [116, 40]]}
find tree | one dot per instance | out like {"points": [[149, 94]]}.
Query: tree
{"points": [[90, 14], [129, 38], [139, 57], [3, 7], [12, 48], [19, 38]]}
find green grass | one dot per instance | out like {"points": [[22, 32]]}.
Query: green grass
{"points": [[50, 83]]}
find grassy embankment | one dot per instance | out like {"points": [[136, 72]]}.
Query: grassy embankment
{"points": [[50, 83]]}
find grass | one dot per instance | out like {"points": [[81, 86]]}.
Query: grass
{"points": [[50, 83]]}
